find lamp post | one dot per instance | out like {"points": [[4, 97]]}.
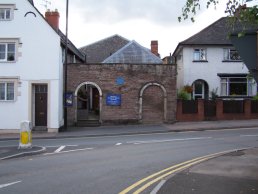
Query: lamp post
{"points": [[65, 66]]}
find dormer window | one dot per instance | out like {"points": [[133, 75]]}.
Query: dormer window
{"points": [[200, 54], [6, 12], [231, 55]]}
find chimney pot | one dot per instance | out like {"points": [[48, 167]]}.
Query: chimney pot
{"points": [[52, 18]]}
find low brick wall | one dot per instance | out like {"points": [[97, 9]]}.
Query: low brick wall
{"points": [[220, 112], [156, 103]]}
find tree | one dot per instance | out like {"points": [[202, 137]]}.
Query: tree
{"points": [[236, 10]]}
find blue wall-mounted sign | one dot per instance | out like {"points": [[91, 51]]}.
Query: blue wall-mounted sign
{"points": [[113, 99], [120, 81], [69, 99]]}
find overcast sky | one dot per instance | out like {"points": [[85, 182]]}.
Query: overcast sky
{"points": [[139, 20]]}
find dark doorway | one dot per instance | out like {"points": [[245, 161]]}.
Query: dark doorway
{"points": [[41, 94], [88, 107]]}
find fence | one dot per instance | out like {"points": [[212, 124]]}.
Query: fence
{"points": [[203, 110]]}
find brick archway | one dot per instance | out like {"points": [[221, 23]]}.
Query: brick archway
{"points": [[164, 99], [100, 98]]}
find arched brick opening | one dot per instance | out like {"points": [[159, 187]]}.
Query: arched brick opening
{"points": [[153, 103]]}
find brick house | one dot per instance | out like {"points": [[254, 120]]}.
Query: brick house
{"points": [[125, 83]]}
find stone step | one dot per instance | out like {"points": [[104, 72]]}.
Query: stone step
{"points": [[88, 123]]}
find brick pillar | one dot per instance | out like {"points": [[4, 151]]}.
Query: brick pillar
{"points": [[219, 109], [247, 109]]}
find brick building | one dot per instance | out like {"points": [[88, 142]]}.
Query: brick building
{"points": [[122, 93], [121, 82]]}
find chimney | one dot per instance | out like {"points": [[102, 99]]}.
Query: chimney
{"points": [[52, 18], [155, 47]]}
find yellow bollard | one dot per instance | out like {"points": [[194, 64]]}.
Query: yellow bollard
{"points": [[25, 135]]}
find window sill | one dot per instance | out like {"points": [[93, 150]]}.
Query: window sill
{"points": [[233, 61], [200, 61]]}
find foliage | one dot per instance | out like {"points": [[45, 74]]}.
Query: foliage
{"points": [[183, 95], [255, 97], [236, 10], [214, 94], [188, 89]]}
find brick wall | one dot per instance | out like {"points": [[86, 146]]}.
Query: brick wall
{"points": [[220, 113], [136, 76]]}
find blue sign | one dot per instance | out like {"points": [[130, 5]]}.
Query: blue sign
{"points": [[69, 99], [113, 99], [120, 81]]}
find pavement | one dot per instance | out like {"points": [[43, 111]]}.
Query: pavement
{"points": [[236, 172]]}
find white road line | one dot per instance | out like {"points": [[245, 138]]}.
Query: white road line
{"points": [[60, 145], [68, 151], [8, 184], [157, 188], [167, 140], [118, 144], [249, 135], [59, 149]]}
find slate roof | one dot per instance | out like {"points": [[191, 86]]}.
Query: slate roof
{"points": [[133, 53], [70, 46], [100, 50], [214, 34]]}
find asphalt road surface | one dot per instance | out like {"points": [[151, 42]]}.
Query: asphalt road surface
{"points": [[108, 165]]}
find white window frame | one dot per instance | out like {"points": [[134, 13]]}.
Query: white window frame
{"points": [[227, 54], [5, 82], [5, 8], [7, 42], [226, 82], [200, 54]]}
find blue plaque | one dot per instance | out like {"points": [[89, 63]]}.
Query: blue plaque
{"points": [[120, 81], [69, 99], [113, 99]]}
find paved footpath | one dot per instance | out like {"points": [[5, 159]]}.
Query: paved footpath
{"points": [[233, 173]]}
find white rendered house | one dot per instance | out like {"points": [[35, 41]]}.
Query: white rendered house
{"points": [[31, 68], [208, 62]]}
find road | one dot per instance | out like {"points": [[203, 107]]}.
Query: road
{"points": [[111, 164]]}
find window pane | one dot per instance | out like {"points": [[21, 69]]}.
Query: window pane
{"points": [[226, 54], [2, 14], [238, 89], [10, 91], [8, 14], [202, 54], [196, 54], [2, 91], [11, 47], [2, 51], [198, 88], [11, 52], [234, 55], [223, 91]]}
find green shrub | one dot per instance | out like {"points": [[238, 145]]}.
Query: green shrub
{"points": [[183, 95]]}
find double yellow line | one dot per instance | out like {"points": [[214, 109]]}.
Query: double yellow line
{"points": [[143, 184]]}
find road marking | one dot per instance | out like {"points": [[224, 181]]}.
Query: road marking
{"points": [[68, 151], [8, 184], [249, 135], [60, 145], [157, 188], [59, 149], [118, 144], [168, 171], [167, 140]]}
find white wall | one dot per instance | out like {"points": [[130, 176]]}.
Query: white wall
{"points": [[207, 71], [38, 62]]}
